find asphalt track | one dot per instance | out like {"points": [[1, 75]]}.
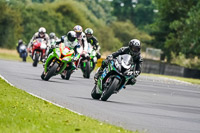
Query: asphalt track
{"points": [[153, 105]]}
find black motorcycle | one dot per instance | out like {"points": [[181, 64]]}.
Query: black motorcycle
{"points": [[115, 77]]}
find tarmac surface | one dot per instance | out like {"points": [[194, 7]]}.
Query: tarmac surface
{"points": [[153, 104]]}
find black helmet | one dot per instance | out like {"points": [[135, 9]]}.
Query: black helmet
{"points": [[52, 35], [89, 31], [134, 46], [71, 35]]}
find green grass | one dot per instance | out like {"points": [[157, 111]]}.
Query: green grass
{"points": [[190, 80], [22, 112]]}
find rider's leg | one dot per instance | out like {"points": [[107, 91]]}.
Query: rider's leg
{"points": [[100, 71]]}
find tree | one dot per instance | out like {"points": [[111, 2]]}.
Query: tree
{"points": [[140, 12], [10, 27], [169, 25]]}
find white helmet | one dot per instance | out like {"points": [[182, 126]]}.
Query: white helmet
{"points": [[42, 30]]}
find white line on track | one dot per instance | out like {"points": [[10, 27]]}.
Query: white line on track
{"points": [[41, 97]]}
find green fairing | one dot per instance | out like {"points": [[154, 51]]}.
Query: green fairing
{"points": [[54, 55], [91, 64], [99, 85]]}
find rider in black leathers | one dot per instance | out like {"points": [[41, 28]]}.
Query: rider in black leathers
{"points": [[133, 49], [93, 41]]}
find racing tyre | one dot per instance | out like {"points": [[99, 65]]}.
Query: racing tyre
{"points": [[94, 94], [68, 74], [51, 71], [35, 62], [42, 76], [87, 70], [109, 90]]}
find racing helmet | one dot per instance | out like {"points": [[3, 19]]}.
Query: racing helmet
{"points": [[134, 46], [71, 35]]}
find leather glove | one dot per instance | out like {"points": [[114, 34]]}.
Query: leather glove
{"points": [[136, 73], [74, 59], [133, 81]]}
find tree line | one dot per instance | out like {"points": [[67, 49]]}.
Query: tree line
{"points": [[22, 18], [171, 25]]}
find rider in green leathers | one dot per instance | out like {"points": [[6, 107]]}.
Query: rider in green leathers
{"points": [[71, 42]]}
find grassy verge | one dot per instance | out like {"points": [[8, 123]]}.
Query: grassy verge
{"points": [[190, 80], [21, 112]]}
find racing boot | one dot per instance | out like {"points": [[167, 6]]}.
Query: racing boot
{"points": [[98, 74]]}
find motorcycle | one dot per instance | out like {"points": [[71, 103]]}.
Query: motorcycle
{"points": [[23, 52], [84, 63], [88, 61], [93, 58], [115, 77], [38, 51], [57, 61]]}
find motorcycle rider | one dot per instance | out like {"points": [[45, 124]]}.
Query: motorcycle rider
{"points": [[133, 49], [20, 42], [52, 35], [40, 34], [81, 37], [71, 42], [52, 41], [93, 41]]}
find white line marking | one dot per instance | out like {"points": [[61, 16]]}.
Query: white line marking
{"points": [[41, 97]]}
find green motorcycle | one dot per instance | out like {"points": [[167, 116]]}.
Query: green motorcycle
{"points": [[57, 61], [88, 61], [93, 60], [114, 77]]}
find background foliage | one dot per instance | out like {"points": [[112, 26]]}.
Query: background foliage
{"points": [[171, 25]]}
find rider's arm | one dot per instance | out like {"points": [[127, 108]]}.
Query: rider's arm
{"points": [[47, 40], [95, 43], [76, 49], [85, 44], [138, 65], [121, 51], [33, 38]]}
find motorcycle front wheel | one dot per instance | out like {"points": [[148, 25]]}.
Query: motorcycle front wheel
{"points": [[51, 71], [110, 89], [87, 70], [94, 94], [35, 61]]}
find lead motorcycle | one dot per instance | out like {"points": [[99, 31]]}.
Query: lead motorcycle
{"points": [[115, 77]]}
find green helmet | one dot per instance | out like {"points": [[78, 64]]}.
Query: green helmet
{"points": [[89, 31]]}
